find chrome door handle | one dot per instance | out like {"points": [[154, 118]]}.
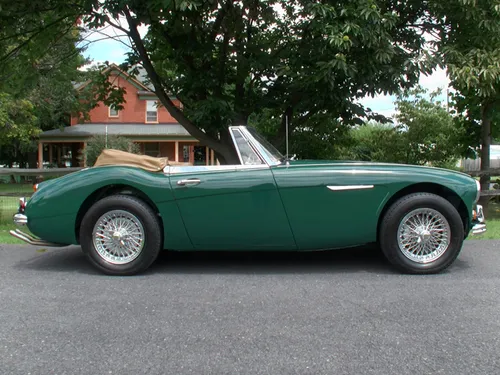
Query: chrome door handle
{"points": [[191, 181]]}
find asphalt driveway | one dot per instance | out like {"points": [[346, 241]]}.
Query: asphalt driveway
{"points": [[340, 312]]}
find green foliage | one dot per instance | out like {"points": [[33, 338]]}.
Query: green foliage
{"points": [[470, 48], [429, 133], [322, 137], [18, 127], [228, 61], [39, 63], [374, 142], [99, 143], [425, 134]]}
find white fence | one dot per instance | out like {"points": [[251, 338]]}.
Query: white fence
{"points": [[473, 165]]}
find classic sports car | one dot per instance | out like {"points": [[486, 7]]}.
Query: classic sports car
{"points": [[127, 208]]}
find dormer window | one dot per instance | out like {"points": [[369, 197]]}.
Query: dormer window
{"points": [[151, 111], [113, 112]]}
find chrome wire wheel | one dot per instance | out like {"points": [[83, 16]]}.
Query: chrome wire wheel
{"points": [[118, 237], [424, 235]]}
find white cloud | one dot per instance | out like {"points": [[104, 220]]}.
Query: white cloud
{"points": [[437, 80]]}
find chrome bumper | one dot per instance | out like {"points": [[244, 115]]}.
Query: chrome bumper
{"points": [[33, 240], [20, 219], [479, 225]]}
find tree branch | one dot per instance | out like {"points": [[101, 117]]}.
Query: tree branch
{"points": [[220, 17], [162, 95]]}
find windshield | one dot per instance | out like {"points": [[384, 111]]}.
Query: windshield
{"points": [[271, 151]]}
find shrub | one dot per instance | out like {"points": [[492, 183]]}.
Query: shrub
{"points": [[98, 143]]}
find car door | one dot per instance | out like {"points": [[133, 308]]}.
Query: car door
{"points": [[234, 207], [331, 205]]}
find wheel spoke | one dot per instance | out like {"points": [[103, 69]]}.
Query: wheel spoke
{"points": [[118, 237], [424, 235]]}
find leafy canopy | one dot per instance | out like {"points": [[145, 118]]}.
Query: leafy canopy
{"points": [[229, 60]]}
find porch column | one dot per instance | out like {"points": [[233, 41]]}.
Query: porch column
{"points": [[40, 155], [176, 151], [207, 155], [50, 153], [84, 154], [191, 154], [59, 151], [212, 157]]}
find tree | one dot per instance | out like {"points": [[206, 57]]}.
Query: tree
{"points": [[228, 60], [424, 134], [470, 47], [429, 132], [375, 142], [39, 63], [17, 127]]}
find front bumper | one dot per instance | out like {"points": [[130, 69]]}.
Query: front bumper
{"points": [[478, 222]]}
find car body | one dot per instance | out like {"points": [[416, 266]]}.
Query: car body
{"points": [[266, 202]]}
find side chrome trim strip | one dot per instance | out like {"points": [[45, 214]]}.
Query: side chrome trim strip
{"points": [[188, 169], [349, 187]]}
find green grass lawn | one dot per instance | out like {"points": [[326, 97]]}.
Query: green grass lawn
{"points": [[16, 188], [8, 207], [492, 224], [5, 237]]}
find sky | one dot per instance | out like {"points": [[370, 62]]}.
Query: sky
{"points": [[103, 49]]}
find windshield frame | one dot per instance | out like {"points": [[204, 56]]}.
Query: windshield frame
{"points": [[262, 146]]}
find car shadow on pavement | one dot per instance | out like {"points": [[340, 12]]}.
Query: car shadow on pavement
{"points": [[359, 259]]}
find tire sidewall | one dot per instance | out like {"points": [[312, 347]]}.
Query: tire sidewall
{"points": [[393, 218], [152, 234]]}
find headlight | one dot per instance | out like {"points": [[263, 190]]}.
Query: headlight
{"points": [[478, 194]]}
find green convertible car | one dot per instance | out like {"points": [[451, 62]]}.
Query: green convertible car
{"points": [[127, 208]]}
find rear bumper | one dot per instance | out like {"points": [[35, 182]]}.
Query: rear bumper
{"points": [[478, 223], [33, 240], [21, 219]]}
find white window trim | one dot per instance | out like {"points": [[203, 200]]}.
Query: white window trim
{"points": [[146, 113], [113, 116]]}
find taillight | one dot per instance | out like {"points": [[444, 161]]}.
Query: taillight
{"points": [[22, 204], [35, 188]]}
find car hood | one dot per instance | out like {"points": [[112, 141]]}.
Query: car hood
{"points": [[369, 164]]}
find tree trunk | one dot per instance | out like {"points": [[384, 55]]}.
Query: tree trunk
{"points": [[485, 153], [224, 149]]}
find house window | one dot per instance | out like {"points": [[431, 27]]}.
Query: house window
{"points": [[152, 149], [151, 111], [113, 112]]}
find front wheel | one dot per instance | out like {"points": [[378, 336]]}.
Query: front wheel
{"points": [[421, 233], [121, 235]]}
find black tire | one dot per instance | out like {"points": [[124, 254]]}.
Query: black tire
{"points": [[151, 229], [389, 227]]}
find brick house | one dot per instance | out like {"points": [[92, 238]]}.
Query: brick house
{"points": [[150, 126]]}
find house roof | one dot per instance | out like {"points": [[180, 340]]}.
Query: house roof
{"points": [[134, 81], [157, 131]]}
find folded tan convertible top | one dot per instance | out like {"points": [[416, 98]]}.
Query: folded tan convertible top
{"points": [[149, 163]]}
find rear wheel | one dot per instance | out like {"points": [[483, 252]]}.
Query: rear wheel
{"points": [[421, 233], [121, 235]]}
